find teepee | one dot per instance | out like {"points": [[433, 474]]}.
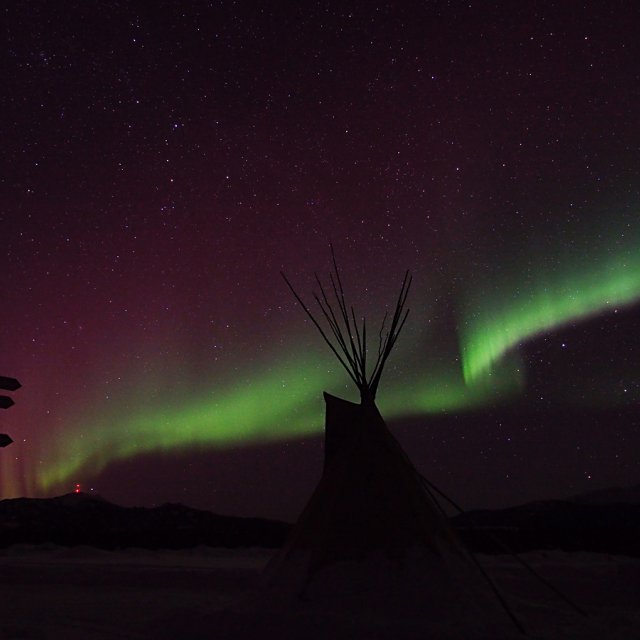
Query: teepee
{"points": [[372, 535]]}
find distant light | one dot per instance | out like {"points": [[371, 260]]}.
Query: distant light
{"points": [[77, 489]]}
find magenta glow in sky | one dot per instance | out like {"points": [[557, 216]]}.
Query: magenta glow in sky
{"points": [[162, 164]]}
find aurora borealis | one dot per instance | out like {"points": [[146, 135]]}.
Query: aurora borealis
{"points": [[161, 167], [569, 284]]}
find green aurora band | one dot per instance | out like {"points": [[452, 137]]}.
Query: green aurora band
{"points": [[279, 403], [585, 279], [274, 405], [283, 400]]}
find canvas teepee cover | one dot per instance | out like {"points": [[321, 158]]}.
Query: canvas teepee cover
{"points": [[372, 534], [370, 498]]}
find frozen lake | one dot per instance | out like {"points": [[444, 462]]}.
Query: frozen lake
{"points": [[82, 593]]}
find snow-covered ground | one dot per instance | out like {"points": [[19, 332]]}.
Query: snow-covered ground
{"points": [[82, 593]]}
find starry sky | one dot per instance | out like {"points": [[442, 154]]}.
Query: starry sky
{"points": [[163, 162]]}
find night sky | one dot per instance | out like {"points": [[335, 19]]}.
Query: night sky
{"points": [[162, 162]]}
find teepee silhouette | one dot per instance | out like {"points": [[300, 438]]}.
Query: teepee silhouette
{"points": [[373, 534]]}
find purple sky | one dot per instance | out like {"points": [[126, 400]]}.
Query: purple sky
{"points": [[162, 162]]}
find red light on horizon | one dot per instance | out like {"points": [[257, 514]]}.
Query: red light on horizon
{"points": [[77, 489]]}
